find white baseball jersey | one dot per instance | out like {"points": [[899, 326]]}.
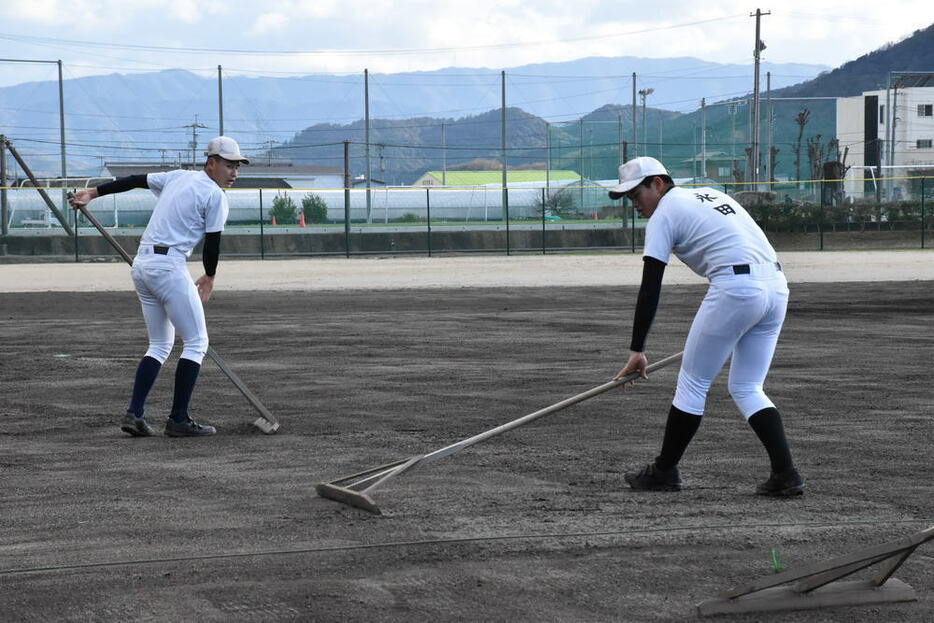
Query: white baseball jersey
{"points": [[190, 204], [705, 229], [742, 315]]}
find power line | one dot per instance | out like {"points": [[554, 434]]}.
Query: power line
{"points": [[327, 52]]}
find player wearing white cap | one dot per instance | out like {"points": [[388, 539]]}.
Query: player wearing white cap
{"points": [[741, 316], [190, 206]]}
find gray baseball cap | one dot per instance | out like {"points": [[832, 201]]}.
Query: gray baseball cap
{"points": [[633, 172], [226, 148]]}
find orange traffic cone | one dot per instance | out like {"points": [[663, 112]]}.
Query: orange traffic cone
{"points": [[273, 220], [301, 219]]}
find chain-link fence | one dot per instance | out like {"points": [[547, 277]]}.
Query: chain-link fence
{"points": [[563, 216]]}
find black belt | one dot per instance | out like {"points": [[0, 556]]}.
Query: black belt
{"points": [[743, 269], [165, 251]]}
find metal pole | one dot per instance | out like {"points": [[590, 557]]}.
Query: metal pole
{"points": [[703, 136], [503, 148], [220, 101], [619, 136], [4, 206], [922, 211], [889, 183], [347, 198], [543, 218], [428, 215], [444, 158], [580, 150], [884, 159], [635, 133], [262, 236], [366, 138], [768, 151], [693, 152], [61, 124], [548, 156], [506, 197]]}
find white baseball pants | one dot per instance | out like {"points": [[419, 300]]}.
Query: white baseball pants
{"points": [[170, 301], [742, 316]]}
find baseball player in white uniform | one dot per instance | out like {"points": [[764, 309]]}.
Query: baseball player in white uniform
{"points": [[190, 206], [741, 316]]}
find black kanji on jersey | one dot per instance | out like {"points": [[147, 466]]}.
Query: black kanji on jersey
{"points": [[725, 209]]}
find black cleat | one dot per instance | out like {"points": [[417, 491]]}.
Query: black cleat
{"points": [[136, 426], [187, 428], [653, 479], [785, 484]]}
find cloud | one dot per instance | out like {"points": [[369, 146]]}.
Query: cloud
{"points": [[268, 23]]}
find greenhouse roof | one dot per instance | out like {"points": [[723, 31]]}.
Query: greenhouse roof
{"points": [[476, 178]]}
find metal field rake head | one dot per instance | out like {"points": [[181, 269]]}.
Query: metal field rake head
{"points": [[354, 489]]}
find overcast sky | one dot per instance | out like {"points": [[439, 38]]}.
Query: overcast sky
{"points": [[284, 37]]}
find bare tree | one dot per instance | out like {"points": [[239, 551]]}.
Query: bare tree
{"points": [[801, 119], [816, 153], [773, 162]]}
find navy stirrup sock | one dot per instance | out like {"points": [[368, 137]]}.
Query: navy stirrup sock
{"points": [[679, 431], [186, 374], [146, 373]]}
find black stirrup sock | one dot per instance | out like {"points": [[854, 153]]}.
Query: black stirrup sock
{"points": [[679, 431], [767, 424]]}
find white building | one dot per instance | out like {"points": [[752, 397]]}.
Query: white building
{"points": [[257, 174], [881, 144]]}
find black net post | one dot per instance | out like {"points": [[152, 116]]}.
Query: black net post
{"points": [[428, 216]]}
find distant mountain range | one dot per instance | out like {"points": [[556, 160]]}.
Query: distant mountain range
{"points": [[587, 102], [144, 116]]}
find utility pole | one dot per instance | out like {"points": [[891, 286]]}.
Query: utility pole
{"points": [[645, 134], [194, 138], [759, 46], [635, 133], [269, 145], [703, 136]]}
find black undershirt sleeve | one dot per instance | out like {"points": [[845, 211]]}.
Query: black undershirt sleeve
{"points": [[124, 183], [211, 252], [647, 302]]}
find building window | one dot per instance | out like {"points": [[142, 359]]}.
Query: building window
{"points": [[723, 171], [924, 143], [882, 114], [925, 110]]}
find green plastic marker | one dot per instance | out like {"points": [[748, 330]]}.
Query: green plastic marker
{"points": [[776, 561]]}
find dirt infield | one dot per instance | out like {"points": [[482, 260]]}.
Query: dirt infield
{"points": [[533, 525], [476, 271]]}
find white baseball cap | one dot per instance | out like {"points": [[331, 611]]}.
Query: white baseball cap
{"points": [[633, 172], [226, 148]]}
